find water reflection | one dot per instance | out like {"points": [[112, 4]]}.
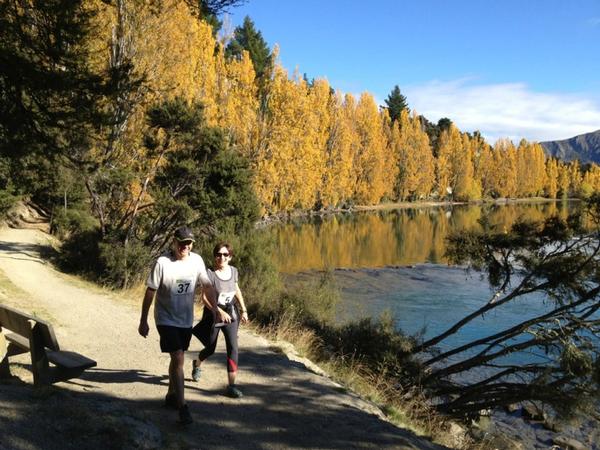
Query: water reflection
{"points": [[388, 238]]}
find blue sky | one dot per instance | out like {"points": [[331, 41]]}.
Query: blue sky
{"points": [[509, 68]]}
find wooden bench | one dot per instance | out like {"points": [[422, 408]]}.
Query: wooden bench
{"points": [[30, 334]]}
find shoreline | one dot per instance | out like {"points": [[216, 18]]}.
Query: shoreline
{"points": [[285, 216]]}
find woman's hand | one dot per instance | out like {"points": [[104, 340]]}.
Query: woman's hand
{"points": [[244, 316], [222, 316]]}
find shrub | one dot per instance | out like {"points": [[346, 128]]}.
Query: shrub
{"points": [[66, 222], [123, 265], [7, 201], [374, 342], [79, 253]]}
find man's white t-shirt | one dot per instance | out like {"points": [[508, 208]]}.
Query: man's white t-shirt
{"points": [[175, 281]]}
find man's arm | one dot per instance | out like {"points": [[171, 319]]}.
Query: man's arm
{"points": [[143, 327]]}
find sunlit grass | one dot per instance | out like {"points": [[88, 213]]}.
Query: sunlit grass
{"points": [[410, 412], [14, 296]]}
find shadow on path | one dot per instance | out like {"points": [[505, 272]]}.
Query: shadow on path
{"points": [[27, 252], [291, 407]]}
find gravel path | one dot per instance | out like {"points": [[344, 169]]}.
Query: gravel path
{"points": [[286, 405]]}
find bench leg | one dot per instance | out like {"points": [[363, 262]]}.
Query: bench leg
{"points": [[4, 368], [39, 361]]}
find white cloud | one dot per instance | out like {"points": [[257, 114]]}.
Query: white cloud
{"points": [[509, 110]]}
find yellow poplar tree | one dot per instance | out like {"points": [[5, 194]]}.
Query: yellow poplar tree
{"points": [[505, 156], [374, 165], [342, 144], [564, 180], [290, 166], [551, 186], [319, 121], [455, 165], [416, 165], [469, 187], [443, 169], [484, 166], [238, 102], [591, 181], [168, 46], [538, 163], [531, 170], [575, 177]]}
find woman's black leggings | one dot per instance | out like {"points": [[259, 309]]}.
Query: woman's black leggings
{"points": [[231, 340]]}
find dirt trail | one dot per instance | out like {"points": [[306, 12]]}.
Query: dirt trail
{"points": [[285, 405]]}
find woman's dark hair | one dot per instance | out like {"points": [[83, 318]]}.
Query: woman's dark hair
{"points": [[220, 245]]}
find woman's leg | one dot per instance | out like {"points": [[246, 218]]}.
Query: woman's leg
{"points": [[208, 335], [210, 349], [231, 343]]}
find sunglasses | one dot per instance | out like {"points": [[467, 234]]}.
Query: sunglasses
{"points": [[182, 243], [222, 255]]}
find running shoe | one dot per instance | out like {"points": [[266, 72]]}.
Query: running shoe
{"points": [[171, 401], [185, 418], [234, 392], [196, 372]]}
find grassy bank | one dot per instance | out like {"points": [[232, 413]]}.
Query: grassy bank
{"points": [[367, 356]]}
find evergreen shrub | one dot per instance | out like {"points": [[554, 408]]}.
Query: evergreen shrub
{"points": [[123, 265], [79, 253], [7, 201], [66, 222]]}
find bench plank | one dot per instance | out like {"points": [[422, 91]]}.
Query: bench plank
{"points": [[16, 344], [70, 360], [21, 323], [15, 321]]}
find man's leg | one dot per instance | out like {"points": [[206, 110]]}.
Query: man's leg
{"points": [[176, 376]]}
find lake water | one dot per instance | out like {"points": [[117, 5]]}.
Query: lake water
{"points": [[390, 238], [394, 260]]}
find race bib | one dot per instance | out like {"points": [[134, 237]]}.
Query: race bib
{"points": [[182, 286], [225, 297]]}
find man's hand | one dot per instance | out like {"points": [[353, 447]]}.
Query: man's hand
{"points": [[143, 328]]}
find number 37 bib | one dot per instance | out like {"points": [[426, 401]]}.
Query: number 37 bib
{"points": [[183, 286]]}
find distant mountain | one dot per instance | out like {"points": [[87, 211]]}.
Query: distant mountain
{"points": [[585, 148]]}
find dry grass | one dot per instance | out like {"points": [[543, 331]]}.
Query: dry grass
{"points": [[406, 409], [12, 295]]}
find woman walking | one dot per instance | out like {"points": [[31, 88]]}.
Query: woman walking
{"points": [[224, 279]]}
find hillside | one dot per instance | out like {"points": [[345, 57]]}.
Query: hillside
{"points": [[585, 148]]}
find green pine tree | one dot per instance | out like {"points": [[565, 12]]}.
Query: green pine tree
{"points": [[396, 103], [247, 37]]}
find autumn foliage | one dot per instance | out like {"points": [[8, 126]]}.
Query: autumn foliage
{"points": [[308, 146], [311, 147]]}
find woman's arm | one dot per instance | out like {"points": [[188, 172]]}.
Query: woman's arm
{"points": [[240, 300], [209, 298]]}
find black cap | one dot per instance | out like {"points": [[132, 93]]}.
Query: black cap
{"points": [[184, 234]]}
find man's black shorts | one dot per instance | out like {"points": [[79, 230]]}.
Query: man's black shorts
{"points": [[174, 338]]}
